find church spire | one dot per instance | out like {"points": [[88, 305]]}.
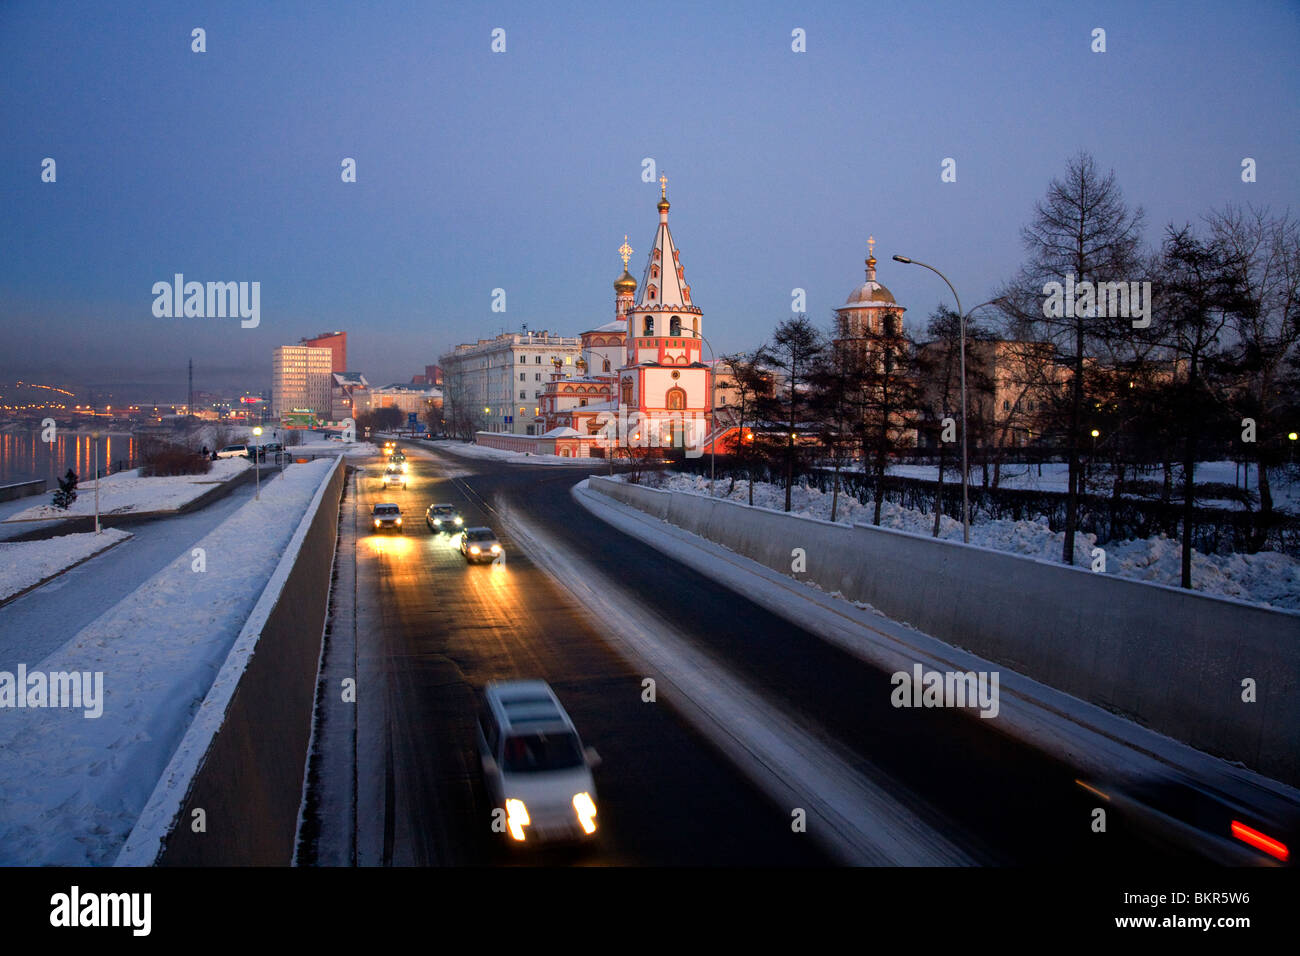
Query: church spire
{"points": [[664, 281], [871, 258]]}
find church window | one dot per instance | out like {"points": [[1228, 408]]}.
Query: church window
{"points": [[653, 292], [654, 272], [656, 255], [695, 326], [626, 397], [606, 365], [675, 325], [676, 399], [648, 326], [681, 273]]}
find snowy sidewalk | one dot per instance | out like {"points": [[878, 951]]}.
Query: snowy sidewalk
{"points": [[74, 787], [26, 565]]}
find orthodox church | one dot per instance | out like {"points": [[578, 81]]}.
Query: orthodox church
{"points": [[642, 381]]}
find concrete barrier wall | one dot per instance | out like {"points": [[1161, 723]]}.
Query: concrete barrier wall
{"points": [[249, 781], [1169, 659], [22, 489]]}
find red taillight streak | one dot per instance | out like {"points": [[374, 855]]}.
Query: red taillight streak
{"points": [[1259, 841]]}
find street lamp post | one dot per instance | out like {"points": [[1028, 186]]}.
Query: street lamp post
{"points": [[965, 478], [257, 465], [961, 320], [713, 389], [95, 436]]}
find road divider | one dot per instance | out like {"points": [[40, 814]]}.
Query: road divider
{"points": [[239, 768]]}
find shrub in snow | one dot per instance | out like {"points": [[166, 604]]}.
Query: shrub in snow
{"points": [[67, 493], [160, 459]]}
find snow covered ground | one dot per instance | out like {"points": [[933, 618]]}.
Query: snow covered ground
{"points": [[469, 450], [127, 493], [26, 563], [1055, 477], [1267, 578], [75, 786]]}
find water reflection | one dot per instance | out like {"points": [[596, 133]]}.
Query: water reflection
{"points": [[23, 456]]}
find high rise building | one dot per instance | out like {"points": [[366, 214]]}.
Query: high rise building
{"points": [[337, 343], [302, 378]]}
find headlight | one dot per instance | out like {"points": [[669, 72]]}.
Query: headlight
{"points": [[585, 807], [460, 521], [474, 549], [496, 549], [403, 468], [399, 520], [517, 818], [376, 522]]}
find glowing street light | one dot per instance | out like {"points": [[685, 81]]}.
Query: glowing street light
{"points": [[257, 466], [95, 437]]}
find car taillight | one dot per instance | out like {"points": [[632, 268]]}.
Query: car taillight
{"points": [[1260, 841]]}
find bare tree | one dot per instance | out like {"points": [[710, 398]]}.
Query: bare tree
{"points": [[752, 386], [796, 345], [1198, 297], [938, 368], [1265, 251], [1082, 230]]}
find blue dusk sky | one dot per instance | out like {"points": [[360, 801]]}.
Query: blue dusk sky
{"points": [[522, 170]]}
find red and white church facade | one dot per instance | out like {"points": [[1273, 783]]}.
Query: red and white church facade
{"points": [[642, 385]]}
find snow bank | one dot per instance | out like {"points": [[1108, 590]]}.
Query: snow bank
{"points": [[126, 492], [467, 450], [1055, 477], [27, 563], [1267, 578], [75, 786]]}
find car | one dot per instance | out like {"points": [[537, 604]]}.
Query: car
{"points": [[394, 476], [443, 518], [387, 516], [480, 544], [535, 768], [234, 451], [397, 461]]}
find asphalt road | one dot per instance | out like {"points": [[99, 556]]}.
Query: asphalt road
{"points": [[442, 629], [437, 630]]}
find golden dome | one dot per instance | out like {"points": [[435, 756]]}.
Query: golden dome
{"points": [[625, 284]]}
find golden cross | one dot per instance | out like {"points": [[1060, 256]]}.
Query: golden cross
{"points": [[626, 252], [663, 186], [871, 247]]}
